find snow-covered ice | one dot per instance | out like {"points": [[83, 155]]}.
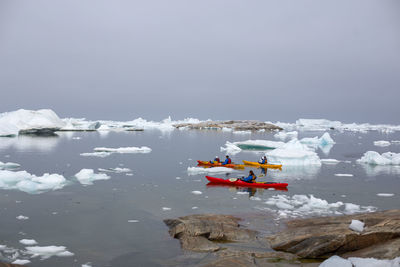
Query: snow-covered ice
{"points": [[48, 251], [382, 143], [124, 150], [357, 226], [87, 176], [28, 242], [336, 261], [200, 170], [344, 174], [303, 205], [29, 183], [294, 153], [374, 158]]}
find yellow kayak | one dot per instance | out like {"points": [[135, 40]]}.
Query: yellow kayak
{"points": [[256, 164]]}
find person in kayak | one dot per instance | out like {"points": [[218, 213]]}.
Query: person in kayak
{"points": [[227, 160], [263, 160], [249, 179], [216, 160]]}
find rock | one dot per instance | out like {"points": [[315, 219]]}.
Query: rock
{"points": [[10, 265], [234, 125], [196, 232], [321, 237]]}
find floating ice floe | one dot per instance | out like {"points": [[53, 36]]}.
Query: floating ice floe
{"points": [[385, 194], [96, 154], [196, 192], [336, 261], [344, 174], [316, 141], [29, 183], [241, 132], [330, 161], [21, 262], [200, 170], [374, 158], [302, 205], [87, 176], [230, 148], [116, 170], [124, 150], [9, 165], [48, 251], [236, 147], [28, 242], [285, 135], [29, 121], [294, 153], [382, 143], [357, 226], [165, 208], [22, 217], [73, 124]]}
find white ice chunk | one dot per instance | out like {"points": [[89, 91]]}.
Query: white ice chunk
{"points": [[242, 132], [87, 176], [124, 150], [28, 242], [49, 251], [230, 148], [294, 153], [385, 194], [21, 262], [330, 161], [357, 226], [30, 183], [196, 192], [116, 170], [165, 208], [200, 170], [382, 143], [344, 174], [22, 217], [9, 165], [286, 135], [11, 123], [133, 221], [96, 154], [336, 261], [374, 158]]}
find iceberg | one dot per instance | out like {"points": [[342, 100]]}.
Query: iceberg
{"points": [[72, 124], [324, 140], [87, 176], [236, 147], [48, 251], [317, 124], [29, 183], [29, 121], [293, 153], [231, 148], [374, 158], [285, 135], [9, 166]]}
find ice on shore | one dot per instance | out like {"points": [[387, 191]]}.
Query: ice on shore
{"points": [[303, 205], [48, 251], [294, 153], [382, 143], [9, 165], [357, 226], [336, 261], [87, 176], [124, 150], [29, 183], [282, 135], [374, 158], [200, 170], [14, 122]]}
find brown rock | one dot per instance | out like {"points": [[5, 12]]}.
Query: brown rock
{"points": [[319, 237], [235, 125]]}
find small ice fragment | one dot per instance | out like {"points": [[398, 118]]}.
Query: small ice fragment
{"points": [[48, 251], [382, 143], [87, 176], [197, 192], [88, 264], [242, 193], [76, 138], [357, 226], [133, 221], [194, 208], [28, 242], [166, 208], [178, 178], [129, 174], [385, 194], [22, 217], [330, 161], [21, 262], [344, 174], [343, 195]]}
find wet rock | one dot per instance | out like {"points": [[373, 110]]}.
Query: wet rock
{"points": [[321, 237], [10, 265], [234, 125], [196, 232]]}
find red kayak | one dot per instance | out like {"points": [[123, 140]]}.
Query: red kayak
{"points": [[238, 182]]}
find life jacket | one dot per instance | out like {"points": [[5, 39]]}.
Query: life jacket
{"points": [[229, 161], [216, 160]]}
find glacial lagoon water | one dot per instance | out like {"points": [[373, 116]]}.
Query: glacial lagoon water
{"points": [[118, 222]]}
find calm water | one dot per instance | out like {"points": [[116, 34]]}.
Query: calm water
{"points": [[92, 221]]}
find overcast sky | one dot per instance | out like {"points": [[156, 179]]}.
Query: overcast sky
{"points": [[219, 59]]}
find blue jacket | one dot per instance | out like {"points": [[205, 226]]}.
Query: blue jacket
{"points": [[227, 161], [262, 161], [249, 178]]}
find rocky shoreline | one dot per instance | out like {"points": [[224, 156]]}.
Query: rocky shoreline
{"points": [[306, 242], [244, 125]]}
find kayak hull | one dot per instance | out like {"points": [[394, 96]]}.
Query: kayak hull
{"points": [[207, 163], [266, 166], [220, 181]]}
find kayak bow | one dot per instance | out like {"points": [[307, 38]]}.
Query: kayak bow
{"points": [[238, 182]]}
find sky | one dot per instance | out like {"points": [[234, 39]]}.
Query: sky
{"points": [[220, 59]]}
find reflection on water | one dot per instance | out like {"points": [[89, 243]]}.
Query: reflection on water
{"points": [[252, 191], [374, 170], [326, 149], [25, 143], [296, 172]]}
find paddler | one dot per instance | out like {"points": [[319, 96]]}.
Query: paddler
{"points": [[249, 179], [227, 160], [263, 160], [216, 160]]}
